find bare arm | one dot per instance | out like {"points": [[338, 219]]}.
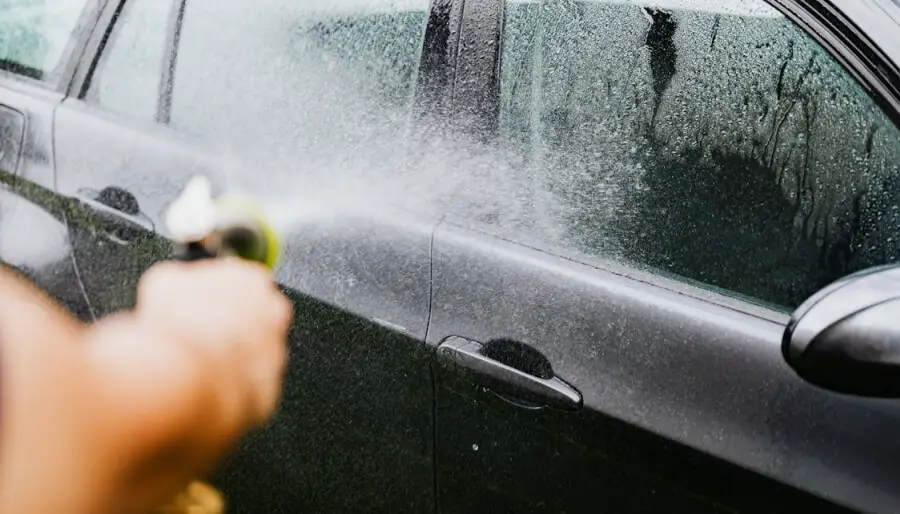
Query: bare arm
{"points": [[116, 417]]}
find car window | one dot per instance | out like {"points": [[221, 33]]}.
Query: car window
{"points": [[301, 78], [306, 85], [35, 35], [710, 140], [129, 75]]}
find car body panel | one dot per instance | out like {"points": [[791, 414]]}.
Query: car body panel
{"points": [[635, 350], [354, 429], [33, 235]]}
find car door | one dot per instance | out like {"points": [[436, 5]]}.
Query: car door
{"points": [[171, 89], [37, 42], [684, 174]]}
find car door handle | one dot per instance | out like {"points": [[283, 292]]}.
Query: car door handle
{"points": [[115, 215], [536, 384]]}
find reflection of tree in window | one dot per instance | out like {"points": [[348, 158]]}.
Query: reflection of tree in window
{"points": [[663, 53]]}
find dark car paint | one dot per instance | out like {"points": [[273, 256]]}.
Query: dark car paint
{"points": [[634, 346], [633, 349], [353, 432], [361, 429]]}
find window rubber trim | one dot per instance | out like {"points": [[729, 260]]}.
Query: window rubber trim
{"points": [[476, 91], [96, 42], [438, 60], [88, 23], [847, 43], [170, 62]]}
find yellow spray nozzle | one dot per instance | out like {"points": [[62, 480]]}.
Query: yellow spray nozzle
{"points": [[251, 234], [224, 226]]}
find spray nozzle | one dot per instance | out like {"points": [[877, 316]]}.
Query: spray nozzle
{"points": [[192, 216], [203, 226]]}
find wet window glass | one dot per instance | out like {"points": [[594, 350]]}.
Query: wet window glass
{"points": [[129, 75], [710, 140], [307, 80], [35, 35]]}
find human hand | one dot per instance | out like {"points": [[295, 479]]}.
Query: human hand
{"points": [[232, 317], [197, 364], [122, 414]]}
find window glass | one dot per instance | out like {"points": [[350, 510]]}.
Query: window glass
{"points": [[35, 34], [129, 74], [307, 80], [309, 87], [711, 140]]}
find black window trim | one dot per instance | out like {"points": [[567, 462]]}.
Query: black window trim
{"points": [[93, 50], [856, 52], [438, 60], [105, 35], [476, 92], [170, 61]]}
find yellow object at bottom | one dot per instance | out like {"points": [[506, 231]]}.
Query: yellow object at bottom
{"points": [[196, 498]]}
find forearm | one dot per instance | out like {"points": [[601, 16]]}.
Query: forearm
{"points": [[158, 392], [38, 341]]}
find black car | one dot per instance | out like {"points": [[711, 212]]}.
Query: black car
{"points": [[542, 252]]}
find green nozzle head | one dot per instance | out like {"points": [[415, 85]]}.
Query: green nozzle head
{"points": [[245, 232], [225, 226]]}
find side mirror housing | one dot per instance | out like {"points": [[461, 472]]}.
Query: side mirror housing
{"points": [[846, 337]]}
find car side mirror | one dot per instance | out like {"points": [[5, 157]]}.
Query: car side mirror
{"points": [[846, 337]]}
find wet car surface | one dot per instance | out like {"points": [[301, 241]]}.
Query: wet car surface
{"points": [[542, 253]]}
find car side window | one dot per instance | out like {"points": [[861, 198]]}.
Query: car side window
{"points": [[129, 73], [299, 85], [713, 141], [296, 77], [36, 35]]}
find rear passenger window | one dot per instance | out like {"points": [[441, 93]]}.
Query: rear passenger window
{"points": [[36, 36], [296, 77], [300, 83], [711, 140]]}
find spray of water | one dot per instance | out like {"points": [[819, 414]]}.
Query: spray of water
{"points": [[317, 122]]}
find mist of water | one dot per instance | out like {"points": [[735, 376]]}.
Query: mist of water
{"points": [[317, 123]]}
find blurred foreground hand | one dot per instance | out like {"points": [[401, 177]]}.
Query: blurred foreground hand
{"points": [[118, 416]]}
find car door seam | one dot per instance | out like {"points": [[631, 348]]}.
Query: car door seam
{"points": [[430, 281], [77, 271], [65, 217]]}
